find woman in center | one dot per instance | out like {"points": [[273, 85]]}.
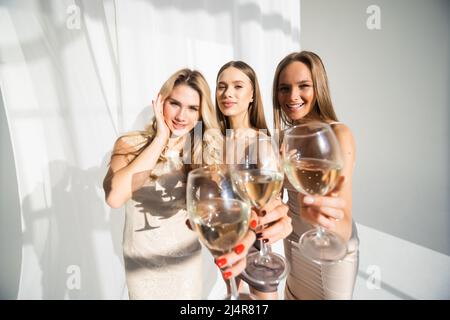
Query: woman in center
{"points": [[239, 107]]}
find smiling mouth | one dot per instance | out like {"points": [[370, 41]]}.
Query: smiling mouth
{"points": [[295, 106], [178, 126]]}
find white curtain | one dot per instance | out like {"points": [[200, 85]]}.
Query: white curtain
{"points": [[74, 75]]}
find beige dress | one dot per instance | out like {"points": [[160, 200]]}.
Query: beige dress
{"points": [[308, 280], [162, 256]]}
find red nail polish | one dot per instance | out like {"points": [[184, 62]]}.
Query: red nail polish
{"points": [[265, 240], [239, 248], [227, 275], [253, 224], [221, 262]]}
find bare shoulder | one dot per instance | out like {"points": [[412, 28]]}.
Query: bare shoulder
{"points": [[129, 143], [125, 149], [346, 139]]}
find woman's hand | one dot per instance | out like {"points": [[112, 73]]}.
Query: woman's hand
{"points": [[163, 131], [274, 214], [233, 263], [324, 210]]}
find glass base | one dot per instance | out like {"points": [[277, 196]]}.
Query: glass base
{"points": [[326, 248], [267, 270], [242, 296]]}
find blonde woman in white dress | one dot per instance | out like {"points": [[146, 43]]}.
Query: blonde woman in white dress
{"points": [[147, 174]]}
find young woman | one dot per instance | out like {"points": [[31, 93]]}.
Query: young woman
{"points": [[301, 93], [147, 174], [239, 107]]}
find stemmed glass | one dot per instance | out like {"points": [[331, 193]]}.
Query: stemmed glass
{"points": [[313, 161], [218, 215], [257, 176]]}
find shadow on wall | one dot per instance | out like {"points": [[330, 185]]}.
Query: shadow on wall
{"points": [[10, 224], [62, 233], [61, 225]]}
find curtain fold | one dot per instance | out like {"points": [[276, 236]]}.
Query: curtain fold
{"points": [[74, 75]]}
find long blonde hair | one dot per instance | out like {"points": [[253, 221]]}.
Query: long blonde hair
{"points": [[322, 106], [195, 80], [256, 110]]}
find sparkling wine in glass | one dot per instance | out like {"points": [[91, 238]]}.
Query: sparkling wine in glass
{"points": [[258, 177], [218, 214], [313, 162]]}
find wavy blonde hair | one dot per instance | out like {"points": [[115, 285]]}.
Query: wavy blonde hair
{"points": [[195, 80], [322, 106]]}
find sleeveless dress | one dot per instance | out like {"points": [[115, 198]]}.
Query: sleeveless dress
{"points": [[308, 280], [162, 256]]}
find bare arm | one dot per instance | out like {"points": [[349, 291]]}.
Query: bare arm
{"points": [[125, 176]]}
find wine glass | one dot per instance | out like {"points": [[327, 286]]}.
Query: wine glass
{"points": [[313, 162], [257, 176], [218, 215]]}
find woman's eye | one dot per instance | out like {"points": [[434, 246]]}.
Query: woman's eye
{"points": [[283, 89]]}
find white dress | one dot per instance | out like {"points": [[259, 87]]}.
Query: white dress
{"points": [[308, 280], [162, 256]]}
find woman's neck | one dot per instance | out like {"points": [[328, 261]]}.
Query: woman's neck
{"points": [[240, 121], [312, 116]]}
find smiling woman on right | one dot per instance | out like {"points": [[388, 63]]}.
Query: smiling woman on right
{"points": [[301, 95]]}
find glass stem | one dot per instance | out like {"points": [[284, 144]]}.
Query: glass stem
{"points": [[263, 248], [264, 257], [234, 290], [320, 232]]}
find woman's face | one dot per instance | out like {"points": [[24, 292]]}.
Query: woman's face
{"points": [[182, 110], [295, 92], [234, 92]]}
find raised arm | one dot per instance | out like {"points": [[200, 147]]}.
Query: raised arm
{"points": [[126, 175]]}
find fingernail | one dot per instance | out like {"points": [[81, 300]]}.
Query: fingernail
{"points": [[227, 275], [239, 248], [253, 224], [265, 240], [221, 262], [308, 200], [262, 213], [258, 236]]}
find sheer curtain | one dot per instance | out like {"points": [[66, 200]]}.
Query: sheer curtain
{"points": [[74, 75]]}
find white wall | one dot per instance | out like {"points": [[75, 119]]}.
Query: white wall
{"points": [[391, 86]]}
